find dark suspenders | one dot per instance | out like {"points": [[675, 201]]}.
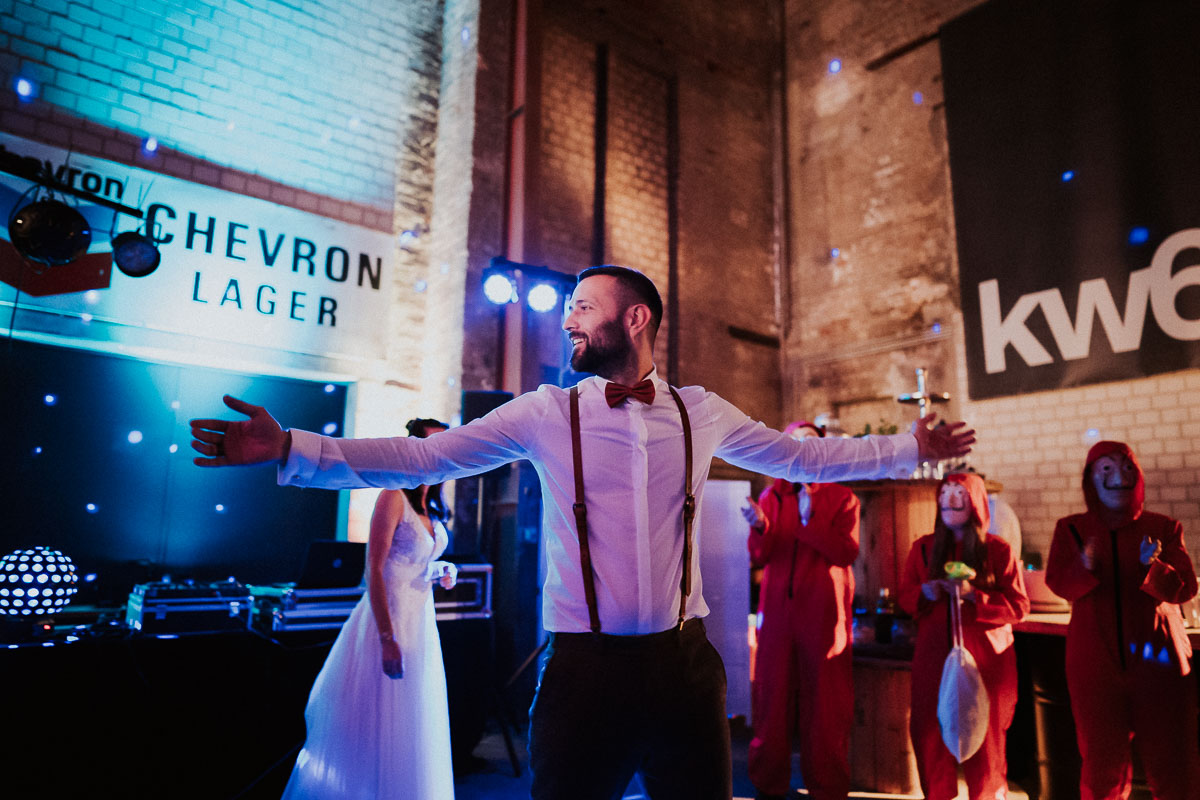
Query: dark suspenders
{"points": [[580, 509]]}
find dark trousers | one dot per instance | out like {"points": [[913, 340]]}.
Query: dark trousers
{"points": [[609, 706]]}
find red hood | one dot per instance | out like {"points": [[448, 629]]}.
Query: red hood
{"points": [[803, 423], [1098, 451], [976, 491]]}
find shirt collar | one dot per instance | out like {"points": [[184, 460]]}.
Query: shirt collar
{"points": [[652, 376]]}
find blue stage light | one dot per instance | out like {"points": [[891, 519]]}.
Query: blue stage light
{"points": [[135, 437], [500, 289], [150, 144], [1139, 235], [835, 252], [542, 297], [918, 98], [330, 428], [220, 508], [1068, 175], [50, 399], [835, 66], [92, 508], [330, 388]]}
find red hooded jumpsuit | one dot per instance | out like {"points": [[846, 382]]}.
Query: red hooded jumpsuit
{"points": [[999, 601], [1128, 656], [802, 676]]}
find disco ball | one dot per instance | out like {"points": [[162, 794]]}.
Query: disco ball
{"points": [[37, 581], [49, 232]]}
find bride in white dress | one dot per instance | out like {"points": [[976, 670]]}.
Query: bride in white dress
{"points": [[377, 720]]}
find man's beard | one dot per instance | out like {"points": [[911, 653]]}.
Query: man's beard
{"points": [[605, 350]]}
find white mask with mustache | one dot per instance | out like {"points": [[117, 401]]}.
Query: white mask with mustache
{"points": [[954, 505], [1114, 477]]}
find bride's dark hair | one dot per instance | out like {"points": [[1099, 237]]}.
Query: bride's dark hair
{"points": [[432, 504]]}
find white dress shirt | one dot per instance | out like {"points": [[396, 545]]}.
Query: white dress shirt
{"points": [[633, 484]]}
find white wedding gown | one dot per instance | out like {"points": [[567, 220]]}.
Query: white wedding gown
{"points": [[371, 737]]}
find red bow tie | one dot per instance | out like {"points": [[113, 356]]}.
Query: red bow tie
{"points": [[616, 393]]}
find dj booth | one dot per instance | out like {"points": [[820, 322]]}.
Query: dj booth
{"points": [[198, 690]]}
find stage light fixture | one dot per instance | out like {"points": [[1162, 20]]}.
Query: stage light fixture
{"points": [[506, 281], [49, 232], [542, 298], [36, 581], [134, 254], [500, 289]]}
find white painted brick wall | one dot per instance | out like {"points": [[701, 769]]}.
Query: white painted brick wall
{"points": [[1040, 462], [308, 94]]}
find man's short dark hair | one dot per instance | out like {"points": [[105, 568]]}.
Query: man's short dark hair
{"points": [[638, 287]]}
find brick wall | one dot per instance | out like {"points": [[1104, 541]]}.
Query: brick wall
{"points": [[568, 152], [301, 94], [636, 216], [483, 211], [869, 176], [329, 108], [720, 60]]}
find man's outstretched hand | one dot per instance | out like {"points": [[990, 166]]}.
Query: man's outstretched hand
{"points": [[942, 442], [239, 443]]}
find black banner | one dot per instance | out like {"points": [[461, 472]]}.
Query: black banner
{"points": [[1074, 132]]}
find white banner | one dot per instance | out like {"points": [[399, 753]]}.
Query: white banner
{"points": [[234, 268]]}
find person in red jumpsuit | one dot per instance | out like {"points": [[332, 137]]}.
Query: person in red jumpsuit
{"points": [[991, 602], [805, 537], [1125, 571]]}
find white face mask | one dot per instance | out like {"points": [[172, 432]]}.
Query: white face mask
{"points": [[1114, 477], [954, 505]]}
